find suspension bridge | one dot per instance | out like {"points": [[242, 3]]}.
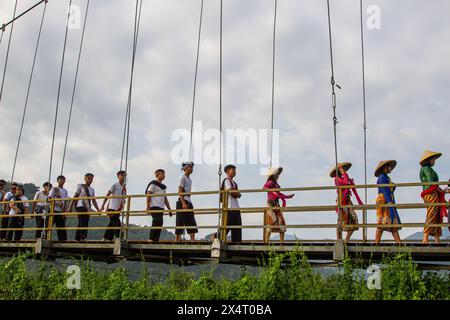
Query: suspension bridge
{"points": [[248, 252]]}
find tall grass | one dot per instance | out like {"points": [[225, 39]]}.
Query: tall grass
{"points": [[285, 276]]}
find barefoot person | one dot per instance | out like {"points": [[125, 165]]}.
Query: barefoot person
{"points": [[346, 216], [273, 215], [386, 215], [156, 187], [84, 205], [233, 212], [17, 210], [60, 207], [38, 208], [115, 206], [185, 219], [431, 195]]}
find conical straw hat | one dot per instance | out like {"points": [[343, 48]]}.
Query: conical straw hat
{"points": [[345, 165], [428, 155], [382, 164], [273, 171]]}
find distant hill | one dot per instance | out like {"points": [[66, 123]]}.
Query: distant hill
{"points": [[419, 235]]}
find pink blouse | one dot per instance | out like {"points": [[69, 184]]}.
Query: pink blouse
{"points": [[345, 180], [274, 195]]}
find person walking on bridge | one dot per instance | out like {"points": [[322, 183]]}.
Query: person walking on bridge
{"points": [[386, 215], [432, 195], [84, 206], [273, 215], [41, 207], [3, 212], [157, 202], [185, 219], [60, 207], [17, 210], [5, 219], [233, 213], [346, 216], [115, 206]]}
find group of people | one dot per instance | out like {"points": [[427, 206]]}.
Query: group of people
{"points": [[432, 195], [16, 205]]}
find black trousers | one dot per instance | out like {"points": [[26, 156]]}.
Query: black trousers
{"points": [[39, 222], [185, 219], [157, 221], [234, 219], [16, 223], [83, 222], [114, 221], [60, 222], [4, 225]]}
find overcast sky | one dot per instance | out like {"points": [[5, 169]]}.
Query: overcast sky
{"points": [[407, 77]]}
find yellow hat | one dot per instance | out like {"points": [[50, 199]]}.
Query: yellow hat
{"points": [[273, 171], [428, 155], [382, 164], [345, 165]]}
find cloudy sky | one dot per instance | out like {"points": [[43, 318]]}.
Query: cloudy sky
{"points": [[407, 71]]}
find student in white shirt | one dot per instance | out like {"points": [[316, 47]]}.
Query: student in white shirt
{"points": [[156, 187], [233, 213], [84, 205], [60, 207], [38, 208], [115, 205], [5, 219], [3, 212], [16, 220], [184, 202]]}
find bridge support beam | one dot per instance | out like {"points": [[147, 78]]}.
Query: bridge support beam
{"points": [[43, 247], [120, 247], [218, 249], [339, 250]]}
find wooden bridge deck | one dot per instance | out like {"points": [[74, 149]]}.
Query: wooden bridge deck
{"points": [[320, 253]]}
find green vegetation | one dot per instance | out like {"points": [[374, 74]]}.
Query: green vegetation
{"points": [[286, 276]]}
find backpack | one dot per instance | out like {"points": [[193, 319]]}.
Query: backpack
{"points": [[222, 188]]}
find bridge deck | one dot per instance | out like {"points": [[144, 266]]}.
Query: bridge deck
{"points": [[319, 253]]}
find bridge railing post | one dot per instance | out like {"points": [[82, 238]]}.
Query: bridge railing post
{"points": [[51, 216], [339, 226], [127, 217], [224, 222]]}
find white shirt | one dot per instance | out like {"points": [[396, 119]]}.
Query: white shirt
{"points": [[117, 190], [61, 193], [186, 183], [25, 205], [40, 195], [233, 203], [81, 192], [157, 201]]}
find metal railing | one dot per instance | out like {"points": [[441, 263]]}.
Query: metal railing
{"points": [[222, 209]]}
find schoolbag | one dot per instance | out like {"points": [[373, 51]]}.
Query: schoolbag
{"points": [[222, 187]]}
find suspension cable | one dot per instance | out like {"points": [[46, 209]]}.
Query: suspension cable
{"points": [[59, 92], [220, 90], [333, 92], [23, 13], [195, 79], [7, 50], [28, 93], [273, 77], [1, 36], [126, 133], [363, 65], [74, 87]]}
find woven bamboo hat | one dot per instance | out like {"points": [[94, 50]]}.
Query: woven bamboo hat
{"points": [[428, 155], [383, 164], [273, 171], [345, 165]]}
